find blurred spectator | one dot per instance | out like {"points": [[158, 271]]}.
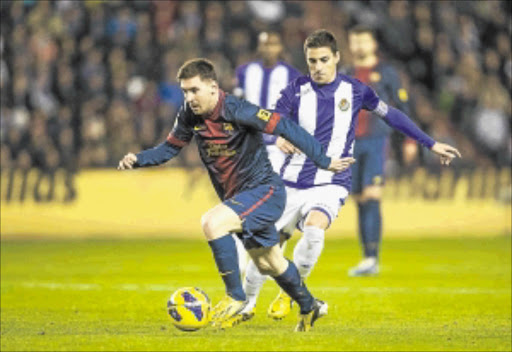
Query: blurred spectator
{"points": [[84, 82]]}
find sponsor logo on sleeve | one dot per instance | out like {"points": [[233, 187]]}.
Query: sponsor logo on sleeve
{"points": [[264, 115]]}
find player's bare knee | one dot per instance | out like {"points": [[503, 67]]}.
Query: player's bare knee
{"points": [[209, 225], [317, 219], [371, 193]]}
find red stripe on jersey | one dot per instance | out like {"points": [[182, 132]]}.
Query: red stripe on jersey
{"points": [[175, 141], [258, 203], [272, 123]]}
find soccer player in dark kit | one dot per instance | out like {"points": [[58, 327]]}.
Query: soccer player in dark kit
{"points": [[228, 133], [371, 143]]}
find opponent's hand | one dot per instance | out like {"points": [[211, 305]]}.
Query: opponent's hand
{"points": [[127, 162], [286, 147], [446, 152], [339, 165]]}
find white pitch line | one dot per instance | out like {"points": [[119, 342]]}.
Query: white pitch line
{"points": [[170, 287]]}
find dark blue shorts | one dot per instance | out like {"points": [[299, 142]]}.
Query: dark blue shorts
{"points": [[369, 167], [259, 208]]}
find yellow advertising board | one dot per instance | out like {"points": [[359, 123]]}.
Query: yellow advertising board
{"points": [[169, 202]]}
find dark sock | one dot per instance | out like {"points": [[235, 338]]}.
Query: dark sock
{"points": [[226, 258], [292, 284], [370, 222]]}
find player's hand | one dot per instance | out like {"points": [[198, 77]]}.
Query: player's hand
{"points": [[127, 162], [286, 147], [446, 152], [339, 165]]}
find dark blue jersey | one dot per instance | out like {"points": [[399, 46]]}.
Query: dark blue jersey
{"points": [[230, 143], [384, 79]]}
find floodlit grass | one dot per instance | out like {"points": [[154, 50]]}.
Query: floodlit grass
{"points": [[432, 294]]}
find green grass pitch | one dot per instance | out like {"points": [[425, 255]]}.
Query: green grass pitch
{"points": [[432, 294]]}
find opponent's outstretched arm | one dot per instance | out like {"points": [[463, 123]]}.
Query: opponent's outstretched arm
{"points": [[271, 122]]}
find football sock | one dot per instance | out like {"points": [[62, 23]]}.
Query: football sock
{"points": [[226, 258], [243, 256], [370, 227], [293, 285], [252, 283], [308, 249]]}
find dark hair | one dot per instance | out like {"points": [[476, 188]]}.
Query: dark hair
{"points": [[361, 28], [197, 67], [321, 38]]}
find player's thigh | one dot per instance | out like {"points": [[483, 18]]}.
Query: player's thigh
{"points": [[357, 168], [322, 205], [220, 220], [291, 214], [259, 209], [373, 171], [269, 260]]}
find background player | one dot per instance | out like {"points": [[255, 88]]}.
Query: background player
{"points": [[371, 143], [326, 103], [228, 134], [260, 83]]}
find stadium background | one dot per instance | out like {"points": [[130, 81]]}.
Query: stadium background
{"points": [[84, 83], [89, 255]]}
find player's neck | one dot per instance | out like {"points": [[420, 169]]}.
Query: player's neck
{"points": [[268, 63], [368, 61], [213, 105]]}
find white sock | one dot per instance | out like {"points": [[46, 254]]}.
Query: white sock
{"points": [[308, 250], [243, 256], [252, 284]]}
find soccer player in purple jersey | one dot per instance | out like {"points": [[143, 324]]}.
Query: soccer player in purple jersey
{"points": [[326, 104], [228, 134], [260, 82]]}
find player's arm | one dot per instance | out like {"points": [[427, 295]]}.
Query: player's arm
{"points": [[401, 122], [269, 122], [284, 106], [179, 137]]}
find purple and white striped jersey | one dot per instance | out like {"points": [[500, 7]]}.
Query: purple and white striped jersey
{"points": [[329, 113], [261, 85]]}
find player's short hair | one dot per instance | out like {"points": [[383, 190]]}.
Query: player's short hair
{"points": [[362, 28], [321, 38], [197, 67]]}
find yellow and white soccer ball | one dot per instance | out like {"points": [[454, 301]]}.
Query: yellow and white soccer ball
{"points": [[189, 308]]}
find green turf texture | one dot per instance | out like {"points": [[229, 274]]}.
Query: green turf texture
{"points": [[432, 294]]}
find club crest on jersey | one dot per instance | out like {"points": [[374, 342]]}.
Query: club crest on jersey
{"points": [[264, 115], [344, 104]]}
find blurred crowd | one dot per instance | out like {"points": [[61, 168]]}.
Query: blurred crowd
{"points": [[83, 83]]}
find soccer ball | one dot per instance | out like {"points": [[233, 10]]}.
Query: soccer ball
{"points": [[189, 308]]}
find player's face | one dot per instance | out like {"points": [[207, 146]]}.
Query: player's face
{"points": [[362, 45], [200, 95], [270, 47], [322, 64]]}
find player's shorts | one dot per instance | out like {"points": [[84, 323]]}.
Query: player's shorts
{"points": [[369, 166], [259, 208], [276, 157], [299, 202]]}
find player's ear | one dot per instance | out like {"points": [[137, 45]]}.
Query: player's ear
{"points": [[337, 57], [214, 86]]}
